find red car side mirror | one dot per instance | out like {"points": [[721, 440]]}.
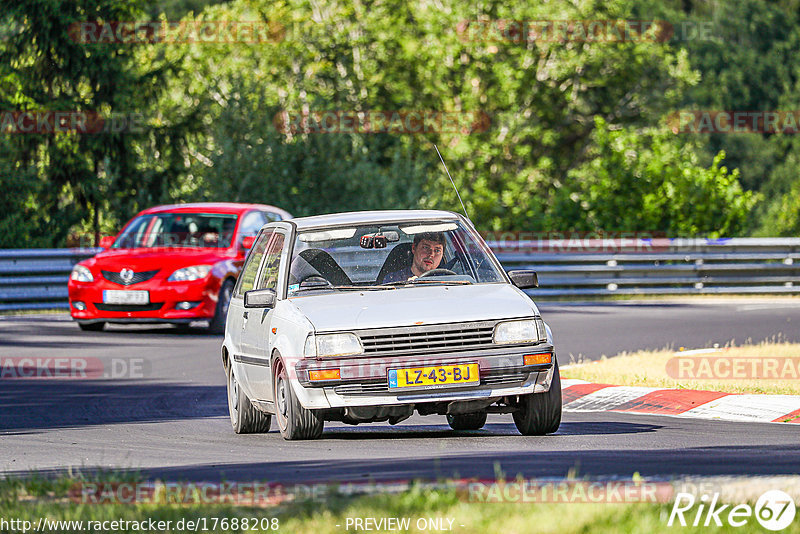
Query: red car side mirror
{"points": [[248, 241], [106, 241]]}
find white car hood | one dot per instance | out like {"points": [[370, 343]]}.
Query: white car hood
{"points": [[429, 304]]}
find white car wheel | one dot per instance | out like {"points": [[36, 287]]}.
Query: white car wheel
{"points": [[294, 421], [245, 418], [540, 413]]}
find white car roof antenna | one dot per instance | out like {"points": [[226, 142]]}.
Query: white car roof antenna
{"points": [[452, 182]]}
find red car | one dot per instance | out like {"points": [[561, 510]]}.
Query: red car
{"points": [[169, 264]]}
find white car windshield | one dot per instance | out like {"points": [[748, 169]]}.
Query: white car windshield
{"points": [[389, 256]]}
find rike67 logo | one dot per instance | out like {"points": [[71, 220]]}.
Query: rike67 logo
{"points": [[774, 510]]}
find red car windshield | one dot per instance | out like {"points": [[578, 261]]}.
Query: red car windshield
{"points": [[208, 230]]}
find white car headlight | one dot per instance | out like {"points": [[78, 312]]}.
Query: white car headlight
{"points": [[81, 274], [525, 331], [187, 274], [329, 345]]}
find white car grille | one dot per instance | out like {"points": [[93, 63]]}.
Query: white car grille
{"points": [[427, 339], [380, 387]]}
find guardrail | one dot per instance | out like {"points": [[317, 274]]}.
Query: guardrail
{"points": [[657, 266], [36, 279], [32, 279]]}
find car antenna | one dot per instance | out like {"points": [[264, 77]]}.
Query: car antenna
{"points": [[451, 181]]}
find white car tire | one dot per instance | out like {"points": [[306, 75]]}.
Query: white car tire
{"points": [[245, 418], [467, 421], [540, 413], [295, 421]]}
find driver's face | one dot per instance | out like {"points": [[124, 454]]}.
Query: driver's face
{"points": [[427, 255]]}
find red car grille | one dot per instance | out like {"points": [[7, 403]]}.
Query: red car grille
{"points": [[137, 278]]}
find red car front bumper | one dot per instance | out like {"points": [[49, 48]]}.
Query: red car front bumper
{"points": [[164, 296]]}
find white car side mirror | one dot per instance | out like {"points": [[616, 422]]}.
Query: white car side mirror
{"points": [[260, 298]]}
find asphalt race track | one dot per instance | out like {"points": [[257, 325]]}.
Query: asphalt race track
{"points": [[157, 404]]}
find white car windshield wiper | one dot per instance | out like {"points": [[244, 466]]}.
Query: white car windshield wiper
{"points": [[329, 287], [416, 281], [449, 282], [363, 288]]}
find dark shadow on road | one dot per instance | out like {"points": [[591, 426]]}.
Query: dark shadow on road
{"points": [[48, 404], [166, 330], [67, 335], [526, 462], [401, 432]]}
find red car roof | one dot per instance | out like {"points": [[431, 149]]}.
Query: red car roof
{"points": [[213, 207]]}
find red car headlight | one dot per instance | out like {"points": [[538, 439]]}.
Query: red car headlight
{"points": [[81, 274], [188, 274]]}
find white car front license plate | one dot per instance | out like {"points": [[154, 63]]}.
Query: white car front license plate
{"points": [[113, 296]]}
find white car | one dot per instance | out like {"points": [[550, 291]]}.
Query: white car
{"points": [[370, 316]]}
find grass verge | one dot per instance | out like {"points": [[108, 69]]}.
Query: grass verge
{"points": [[53, 311], [768, 367], [424, 510]]}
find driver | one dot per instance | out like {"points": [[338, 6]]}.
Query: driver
{"points": [[426, 254]]}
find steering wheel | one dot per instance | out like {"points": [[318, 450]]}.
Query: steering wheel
{"points": [[437, 272]]}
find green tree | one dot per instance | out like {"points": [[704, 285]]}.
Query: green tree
{"points": [[307, 174], [334, 57], [747, 62], [647, 180], [542, 97], [575, 125], [44, 66]]}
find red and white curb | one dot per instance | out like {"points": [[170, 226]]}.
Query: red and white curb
{"points": [[581, 396]]}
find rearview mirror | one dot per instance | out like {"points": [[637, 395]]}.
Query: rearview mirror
{"points": [[378, 240], [373, 241], [260, 298], [524, 279], [247, 242], [106, 241]]}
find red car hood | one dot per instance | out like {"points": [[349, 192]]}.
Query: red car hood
{"points": [[150, 259]]}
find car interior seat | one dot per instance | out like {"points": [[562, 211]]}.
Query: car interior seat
{"points": [[179, 233], [398, 259], [326, 266]]}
